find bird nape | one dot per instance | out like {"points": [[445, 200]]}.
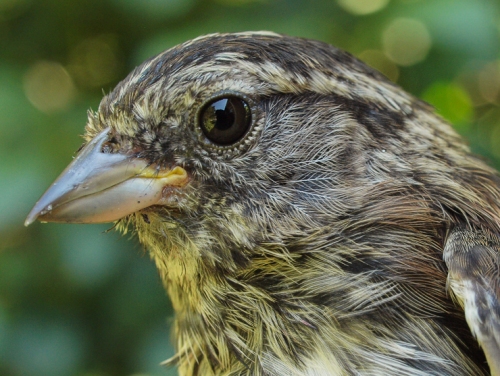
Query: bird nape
{"points": [[306, 215]]}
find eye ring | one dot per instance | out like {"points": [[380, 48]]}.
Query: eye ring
{"points": [[225, 119]]}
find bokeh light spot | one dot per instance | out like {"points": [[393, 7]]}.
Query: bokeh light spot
{"points": [[49, 87], [94, 62], [8, 5], [495, 141], [489, 82], [377, 59], [406, 41], [362, 7]]}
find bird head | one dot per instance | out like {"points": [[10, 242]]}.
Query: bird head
{"points": [[278, 182], [229, 141]]}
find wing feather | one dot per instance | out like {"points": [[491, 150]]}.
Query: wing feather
{"points": [[473, 259]]}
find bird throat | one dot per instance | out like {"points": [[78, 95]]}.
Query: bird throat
{"points": [[177, 260]]}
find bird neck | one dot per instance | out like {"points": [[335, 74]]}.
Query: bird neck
{"points": [[277, 311], [198, 297], [221, 317]]}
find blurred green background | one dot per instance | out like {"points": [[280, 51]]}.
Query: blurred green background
{"points": [[77, 300]]}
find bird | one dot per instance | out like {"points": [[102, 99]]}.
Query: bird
{"points": [[306, 215]]}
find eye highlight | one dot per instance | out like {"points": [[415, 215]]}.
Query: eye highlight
{"points": [[225, 120]]}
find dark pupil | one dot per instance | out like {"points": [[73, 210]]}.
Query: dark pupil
{"points": [[226, 120], [224, 114]]}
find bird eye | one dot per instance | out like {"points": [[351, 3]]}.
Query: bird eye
{"points": [[225, 121]]}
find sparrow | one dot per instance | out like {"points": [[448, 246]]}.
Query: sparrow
{"points": [[306, 215]]}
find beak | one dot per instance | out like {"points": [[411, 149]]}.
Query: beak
{"points": [[102, 187]]}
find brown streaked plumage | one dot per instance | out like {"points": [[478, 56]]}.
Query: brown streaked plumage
{"points": [[307, 216]]}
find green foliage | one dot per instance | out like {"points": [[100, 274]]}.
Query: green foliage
{"points": [[452, 102], [76, 300]]}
